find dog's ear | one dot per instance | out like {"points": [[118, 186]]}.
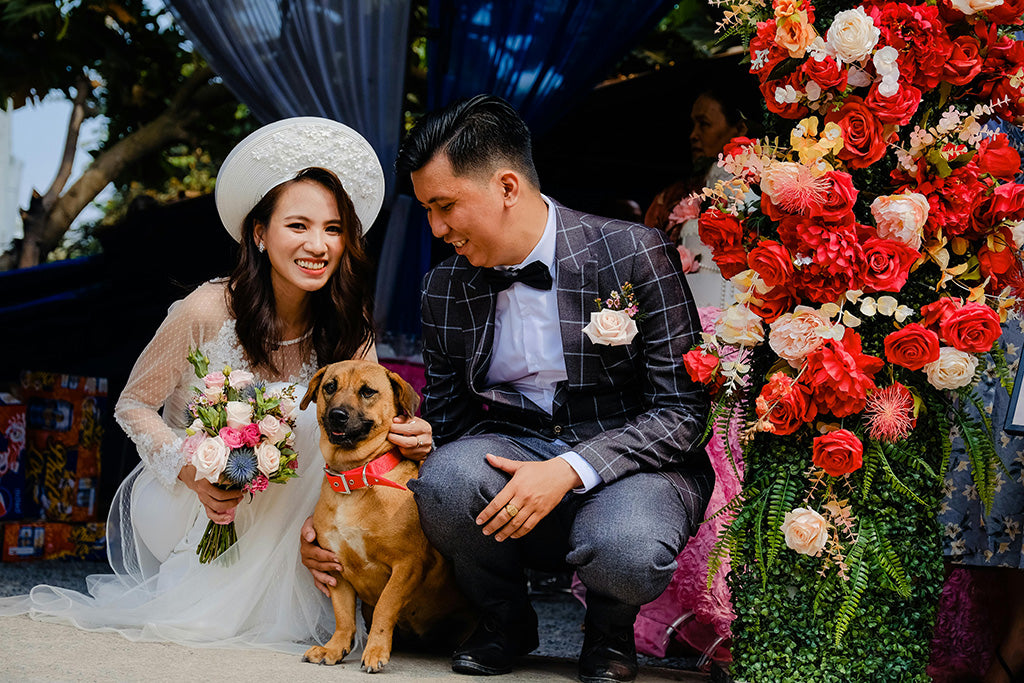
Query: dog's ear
{"points": [[406, 398], [314, 386]]}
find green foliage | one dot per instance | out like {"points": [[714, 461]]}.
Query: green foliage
{"points": [[980, 447]]}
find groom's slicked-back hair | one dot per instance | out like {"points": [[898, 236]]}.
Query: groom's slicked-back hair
{"points": [[477, 135]]}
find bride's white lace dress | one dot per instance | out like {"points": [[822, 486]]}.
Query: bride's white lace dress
{"points": [[256, 595]]}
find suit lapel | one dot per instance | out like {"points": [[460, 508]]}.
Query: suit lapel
{"points": [[577, 289], [479, 329]]}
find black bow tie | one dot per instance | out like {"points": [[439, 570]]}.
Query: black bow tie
{"points": [[534, 274]]}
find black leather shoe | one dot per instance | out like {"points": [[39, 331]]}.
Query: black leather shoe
{"points": [[609, 647], [493, 648]]}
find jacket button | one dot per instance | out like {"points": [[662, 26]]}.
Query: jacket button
{"points": [[557, 429]]}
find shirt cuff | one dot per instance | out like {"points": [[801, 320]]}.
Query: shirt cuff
{"points": [[588, 475]]}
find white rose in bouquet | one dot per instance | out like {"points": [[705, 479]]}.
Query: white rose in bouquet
{"points": [[273, 429], [954, 369], [612, 328], [268, 458], [806, 531], [210, 458], [238, 413], [239, 379], [852, 36]]}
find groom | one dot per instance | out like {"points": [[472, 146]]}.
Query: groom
{"points": [[554, 451]]}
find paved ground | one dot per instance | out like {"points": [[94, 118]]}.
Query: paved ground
{"points": [[37, 651]]}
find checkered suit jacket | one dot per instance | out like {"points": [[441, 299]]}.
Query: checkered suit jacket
{"points": [[623, 408]]}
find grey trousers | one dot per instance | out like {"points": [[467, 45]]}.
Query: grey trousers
{"points": [[620, 538]]}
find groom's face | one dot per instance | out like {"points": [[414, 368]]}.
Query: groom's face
{"points": [[467, 212]]}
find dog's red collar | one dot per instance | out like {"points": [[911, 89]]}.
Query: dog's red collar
{"points": [[367, 476]]}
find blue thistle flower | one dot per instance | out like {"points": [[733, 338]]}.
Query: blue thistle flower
{"points": [[241, 466]]}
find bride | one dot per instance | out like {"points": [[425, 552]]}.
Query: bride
{"points": [[297, 195]]}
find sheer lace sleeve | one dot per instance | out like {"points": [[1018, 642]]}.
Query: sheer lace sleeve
{"points": [[163, 372]]}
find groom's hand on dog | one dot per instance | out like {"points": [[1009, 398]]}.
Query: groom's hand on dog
{"points": [[219, 504], [317, 560]]}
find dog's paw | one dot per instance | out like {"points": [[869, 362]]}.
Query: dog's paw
{"points": [[375, 657], [324, 655]]}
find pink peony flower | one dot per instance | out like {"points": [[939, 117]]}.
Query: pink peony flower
{"points": [[231, 437], [687, 209]]}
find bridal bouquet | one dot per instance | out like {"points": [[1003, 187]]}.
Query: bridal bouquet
{"points": [[873, 272], [241, 437]]}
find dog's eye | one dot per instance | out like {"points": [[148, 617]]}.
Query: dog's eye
{"points": [[367, 392], [331, 387]]}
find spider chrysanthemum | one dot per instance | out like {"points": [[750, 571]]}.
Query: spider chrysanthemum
{"points": [[890, 413]]}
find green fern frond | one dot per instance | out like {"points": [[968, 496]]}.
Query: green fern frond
{"points": [[781, 501], [870, 467], [981, 453], [828, 590], [886, 558], [858, 561], [896, 482], [899, 453], [1002, 367]]}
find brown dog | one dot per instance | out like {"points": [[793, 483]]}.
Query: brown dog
{"points": [[368, 518]]}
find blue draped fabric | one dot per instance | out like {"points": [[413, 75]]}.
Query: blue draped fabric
{"points": [[340, 59], [540, 55]]}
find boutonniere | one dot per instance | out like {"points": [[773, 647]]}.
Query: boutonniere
{"points": [[614, 324]]}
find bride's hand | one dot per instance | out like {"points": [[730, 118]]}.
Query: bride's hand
{"points": [[219, 504], [319, 561], [413, 436]]}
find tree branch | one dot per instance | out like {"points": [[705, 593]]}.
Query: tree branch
{"points": [[83, 88]]}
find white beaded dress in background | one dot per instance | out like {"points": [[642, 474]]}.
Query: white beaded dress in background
{"points": [[256, 595]]}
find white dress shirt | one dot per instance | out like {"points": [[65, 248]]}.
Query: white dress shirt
{"points": [[527, 350]]}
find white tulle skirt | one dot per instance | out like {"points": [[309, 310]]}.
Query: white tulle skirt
{"points": [[256, 595]]}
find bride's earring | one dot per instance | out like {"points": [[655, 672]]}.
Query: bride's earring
{"points": [[260, 248]]}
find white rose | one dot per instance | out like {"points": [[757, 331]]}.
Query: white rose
{"points": [[289, 409], [612, 328], [239, 379], [953, 369], [975, 6], [806, 531], [239, 414], [214, 394], [901, 217], [1017, 230], [885, 61], [739, 325], [210, 458], [268, 458], [852, 36], [273, 429], [196, 427]]}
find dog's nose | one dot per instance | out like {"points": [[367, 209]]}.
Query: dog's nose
{"points": [[338, 415]]}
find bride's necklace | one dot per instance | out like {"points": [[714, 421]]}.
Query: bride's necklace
{"points": [[290, 342]]}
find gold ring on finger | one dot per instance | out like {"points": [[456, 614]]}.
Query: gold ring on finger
{"points": [[419, 441], [512, 510]]}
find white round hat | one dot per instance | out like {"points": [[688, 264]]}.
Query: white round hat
{"points": [[278, 151]]}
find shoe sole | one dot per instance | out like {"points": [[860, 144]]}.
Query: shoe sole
{"points": [[477, 669], [604, 679]]}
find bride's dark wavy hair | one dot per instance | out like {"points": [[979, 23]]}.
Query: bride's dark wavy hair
{"points": [[341, 311]]}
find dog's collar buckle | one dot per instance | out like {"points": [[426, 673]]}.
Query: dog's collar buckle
{"points": [[365, 477]]}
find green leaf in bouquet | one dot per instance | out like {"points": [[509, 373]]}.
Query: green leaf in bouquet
{"points": [[200, 362]]}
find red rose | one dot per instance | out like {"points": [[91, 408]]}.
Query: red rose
{"points": [[898, 108], [773, 303], [838, 453], [737, 145], [827, 73], [887, 264], [765, 51], [787, 110], [1000, 263], [1008, 202], [996, 157], [863, 136], [718, 229], [785, 404], [1010, 12], [839, 198], [730, 259], [913, 347], [964, 62], [772, 262], [973, 328], [701, 366], [935, 313], [841, 375]]}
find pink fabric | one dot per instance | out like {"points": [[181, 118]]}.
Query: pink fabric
{"points": [[411, 372], [962, 644], [687, 592]]}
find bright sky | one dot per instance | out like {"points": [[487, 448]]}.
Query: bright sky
{"points": [[37, 139]]}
